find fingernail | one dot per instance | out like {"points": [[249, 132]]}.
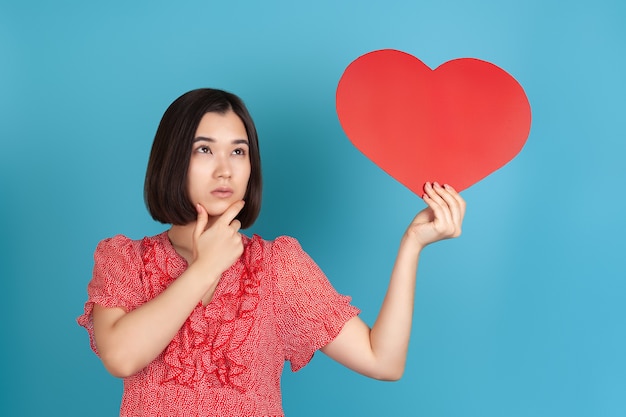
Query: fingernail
{"points": [[436, 184]]}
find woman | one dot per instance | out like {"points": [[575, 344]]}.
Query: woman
{"points": [[200, 319]]}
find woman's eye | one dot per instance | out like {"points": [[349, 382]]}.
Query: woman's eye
{"points": [[204, 149], [239, 151]]}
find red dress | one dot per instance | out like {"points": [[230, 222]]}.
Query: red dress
{"points": [[273, 304]]}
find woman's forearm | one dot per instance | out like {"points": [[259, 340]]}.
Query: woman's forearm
{"points": [[390, 334], [127, 342]]}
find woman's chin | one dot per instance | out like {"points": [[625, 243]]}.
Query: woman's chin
{"points": [[217, 207], [216, 210]]}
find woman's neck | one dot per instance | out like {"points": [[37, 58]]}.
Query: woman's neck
{"points": [[181, 238]]}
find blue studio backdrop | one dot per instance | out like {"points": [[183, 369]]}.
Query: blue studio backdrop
{"points": [[524, 315]]}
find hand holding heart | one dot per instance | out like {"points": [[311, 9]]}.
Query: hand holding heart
{"points": [[442, 219], [455, 124]]}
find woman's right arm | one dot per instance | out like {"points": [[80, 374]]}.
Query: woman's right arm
{"points": [[127, 342]]}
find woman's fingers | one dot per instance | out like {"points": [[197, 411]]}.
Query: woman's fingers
{"points": [[235, 225], [456, 206], [440, 207], [201, 221], [219, 245], [231, 212], [228, 218], [448, 208]]}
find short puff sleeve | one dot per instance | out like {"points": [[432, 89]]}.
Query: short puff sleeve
{"points": [[116, 280], [310, 312]]}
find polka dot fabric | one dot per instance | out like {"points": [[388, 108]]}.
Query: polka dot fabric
{"points": [[273, 304]]}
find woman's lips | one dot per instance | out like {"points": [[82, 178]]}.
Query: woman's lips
{"points": [[222, 192]]}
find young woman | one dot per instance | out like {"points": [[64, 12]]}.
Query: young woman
{"points": [[200, 319]]}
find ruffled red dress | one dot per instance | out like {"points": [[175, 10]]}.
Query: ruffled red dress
{"points": [[274, 304]]}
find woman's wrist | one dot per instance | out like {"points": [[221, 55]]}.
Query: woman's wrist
{"points": [[203, 273], [411, 245]]}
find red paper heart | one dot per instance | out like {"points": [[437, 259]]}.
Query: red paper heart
{"points": [[455, 124]]}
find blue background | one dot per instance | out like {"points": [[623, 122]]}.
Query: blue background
{"points": [[524, 315]]}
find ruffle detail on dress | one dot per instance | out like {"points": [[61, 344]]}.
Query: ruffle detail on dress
{"points": [[160, 267], [208, 346]]}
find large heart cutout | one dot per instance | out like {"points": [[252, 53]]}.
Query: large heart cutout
{"points": [[455, 124]]}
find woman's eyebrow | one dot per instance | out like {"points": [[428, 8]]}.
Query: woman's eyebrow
{"points": [[234, 142]]}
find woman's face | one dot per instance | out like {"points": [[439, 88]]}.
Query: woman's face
{"points": [[219, 166]]}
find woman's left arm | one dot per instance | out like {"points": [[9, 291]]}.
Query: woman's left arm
{"points": [[380, 352]]}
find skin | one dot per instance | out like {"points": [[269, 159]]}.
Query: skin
{"points": [[127, 342]]}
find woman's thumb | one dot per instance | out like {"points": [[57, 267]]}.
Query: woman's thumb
{"points": [[201, 221]]}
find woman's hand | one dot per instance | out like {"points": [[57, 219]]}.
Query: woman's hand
{"points": [[442, 219], [219, 245]]}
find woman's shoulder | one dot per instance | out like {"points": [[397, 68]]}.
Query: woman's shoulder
{"points": [[118, 240], [280, 254], [122, 245], [279, 244]]}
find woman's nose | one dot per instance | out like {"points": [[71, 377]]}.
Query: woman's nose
{"points": [[223, 168]]}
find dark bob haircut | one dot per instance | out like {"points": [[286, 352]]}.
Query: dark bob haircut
{"points": [[165, 188]]}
